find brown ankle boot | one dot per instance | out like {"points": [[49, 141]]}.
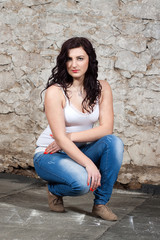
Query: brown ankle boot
{"points": [[104, 212], [55, 203]]}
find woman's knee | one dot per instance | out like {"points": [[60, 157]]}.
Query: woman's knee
{"points": [[118, 143], [118, 148], [115, 146], [80, 188], [113, 141]]}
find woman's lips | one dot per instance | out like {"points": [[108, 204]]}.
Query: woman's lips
{"points": [[74, 71]]}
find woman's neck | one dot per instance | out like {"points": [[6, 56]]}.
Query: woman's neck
{"points": [[78, 82], [77, 87]]}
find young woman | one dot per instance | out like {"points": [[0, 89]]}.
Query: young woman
{"points": [[71, 155]]}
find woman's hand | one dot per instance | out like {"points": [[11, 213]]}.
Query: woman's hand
{"points": [[94, 176], [52, 148]]}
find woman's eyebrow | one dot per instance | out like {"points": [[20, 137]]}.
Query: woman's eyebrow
{"points": [[76, 56], [80, 56]]}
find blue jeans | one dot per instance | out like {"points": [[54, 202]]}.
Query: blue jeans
{"points": [[66, 177]]}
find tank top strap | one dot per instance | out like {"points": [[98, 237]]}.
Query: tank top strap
{"points": [[63, 93]]}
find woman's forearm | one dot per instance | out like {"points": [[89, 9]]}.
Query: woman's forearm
{"points": [[91, 134], [73, 151]]}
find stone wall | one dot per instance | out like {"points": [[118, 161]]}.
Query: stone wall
{"points": [[126, 35]]}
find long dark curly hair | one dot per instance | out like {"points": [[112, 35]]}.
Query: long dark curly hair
{"points": [[61, 77]]}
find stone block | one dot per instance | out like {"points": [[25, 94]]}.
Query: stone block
{"points": [[128, 61], [135, 44]]}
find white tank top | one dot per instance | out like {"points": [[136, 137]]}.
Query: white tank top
{"points": [[75, 121]]}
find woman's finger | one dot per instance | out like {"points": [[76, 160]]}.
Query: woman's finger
{"points": [[99, 181], [52, 147], [96, 182], [49, 149], [93, 183], [88, 180]]}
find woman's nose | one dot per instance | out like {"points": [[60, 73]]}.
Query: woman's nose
{"points": [[74, 63]]}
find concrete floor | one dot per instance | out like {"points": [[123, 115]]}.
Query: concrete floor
{"points": [[24, 214]]}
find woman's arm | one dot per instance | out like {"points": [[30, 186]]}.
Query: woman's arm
{"points": [[54, 103], [105, 119]]}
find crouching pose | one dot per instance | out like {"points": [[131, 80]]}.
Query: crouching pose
{"points": [[71, 155]]}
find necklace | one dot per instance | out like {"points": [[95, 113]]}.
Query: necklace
{"points": [[79, 92]]}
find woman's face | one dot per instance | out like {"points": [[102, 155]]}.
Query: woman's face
{"points": [[77, 63]]}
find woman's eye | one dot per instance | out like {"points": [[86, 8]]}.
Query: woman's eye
{"points": [[80, 58]]}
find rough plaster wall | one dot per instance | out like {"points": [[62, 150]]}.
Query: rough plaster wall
{"points": [[126, 35]]}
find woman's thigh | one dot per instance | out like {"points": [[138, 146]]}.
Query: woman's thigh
{"points": [[59, 168]]}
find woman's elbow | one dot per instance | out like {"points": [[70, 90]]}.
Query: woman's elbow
{"points": [[107, 130], [60, 140]]}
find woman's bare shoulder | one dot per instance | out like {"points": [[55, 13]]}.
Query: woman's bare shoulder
{"points": [[54, 95], [54, 91], [105, 85]]}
